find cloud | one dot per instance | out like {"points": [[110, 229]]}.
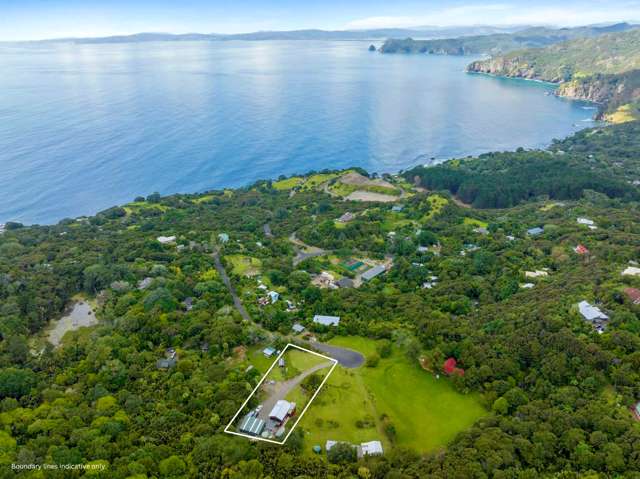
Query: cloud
{"points": [[506, 14]]}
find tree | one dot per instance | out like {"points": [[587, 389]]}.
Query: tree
{"points": [[342, 452], [501, 406], [16, 382], [172, 466]]}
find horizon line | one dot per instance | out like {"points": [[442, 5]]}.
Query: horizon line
{"points": [[345, 30]]}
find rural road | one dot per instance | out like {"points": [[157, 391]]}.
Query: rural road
{"points": [[304, 251], [227, 282], [347, 358], [280, 390]]}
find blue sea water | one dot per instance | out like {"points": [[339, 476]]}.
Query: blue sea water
{"points": [[85, 127]]}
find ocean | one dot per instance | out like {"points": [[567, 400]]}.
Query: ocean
{"points": [[86, 127]]}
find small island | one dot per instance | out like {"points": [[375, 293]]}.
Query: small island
{"points": [[372, 48]]}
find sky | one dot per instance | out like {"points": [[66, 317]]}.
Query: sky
{"points": [[40, 19]]}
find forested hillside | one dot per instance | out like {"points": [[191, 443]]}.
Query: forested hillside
{"points": [[498, 43], [149, 389], [590, 160], [602, 69]]}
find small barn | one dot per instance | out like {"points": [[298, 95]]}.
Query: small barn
{"points": [[450, 367]]}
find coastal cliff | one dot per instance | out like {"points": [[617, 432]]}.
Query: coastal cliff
{"points": [[605, 71]]}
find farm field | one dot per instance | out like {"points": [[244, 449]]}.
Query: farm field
{"points": [[426, 412]]}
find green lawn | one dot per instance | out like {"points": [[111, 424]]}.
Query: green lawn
{"points": [[258, 360], [244, 265], [426, 412], [288, 183], [475, 222]]}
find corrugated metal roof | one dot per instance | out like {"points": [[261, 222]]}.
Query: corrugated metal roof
{"points": [[280, 410], [252, 425], [373, 272], [326, 320]]}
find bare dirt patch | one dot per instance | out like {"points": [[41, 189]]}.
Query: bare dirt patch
{"points": [[370, 196]]}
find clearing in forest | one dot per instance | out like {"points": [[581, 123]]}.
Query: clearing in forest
{"points": [[283, 395], [396, 402]]}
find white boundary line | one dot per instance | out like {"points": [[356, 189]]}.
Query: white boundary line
{"points": [[280, 443]]}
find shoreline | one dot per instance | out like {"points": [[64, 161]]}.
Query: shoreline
{"points": [[436, 162], [414, 162]]}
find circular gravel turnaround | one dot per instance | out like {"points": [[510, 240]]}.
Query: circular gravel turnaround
{"points": [[347, 358]]}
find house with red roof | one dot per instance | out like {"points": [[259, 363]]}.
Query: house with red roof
{"points": [[450, 366], [581, 249], [633, 294]]}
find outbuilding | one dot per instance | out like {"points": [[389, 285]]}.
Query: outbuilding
{"points": [[371, 448], [282, 410], [252, 425], [373, 272]]}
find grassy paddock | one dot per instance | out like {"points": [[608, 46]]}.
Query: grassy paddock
{"points": [[426, 412]]}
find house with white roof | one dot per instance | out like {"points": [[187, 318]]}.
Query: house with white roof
{"points": [[326, 320], [166, 239], [282, 410], [631, 271], [593, 315], [371, 448], [535, 274]]}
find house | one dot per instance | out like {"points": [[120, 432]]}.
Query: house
{"points": [[188, 304], [469, 248], [433, 281], [373, 272], [166, 239], [481, 230], [252, 425], [581, 249], [345, 218], [223, 238], [535, 274], [282, 410], [345, 283], [636, 411], [326, 320], [535, 231], [371, 448], [510, 237], [631, 271], [281, 362], [273, 295], [145, 283], [593, 315], [297, 328], [450, 366], [633, 294], [166, 363], [527, 285], [423, 249], [397, 208], [590, 312], [323, 280], [268, 352], [585, 221]]}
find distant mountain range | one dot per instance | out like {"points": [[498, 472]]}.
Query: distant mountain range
{"points": [[373, 34], [500, 42]]}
